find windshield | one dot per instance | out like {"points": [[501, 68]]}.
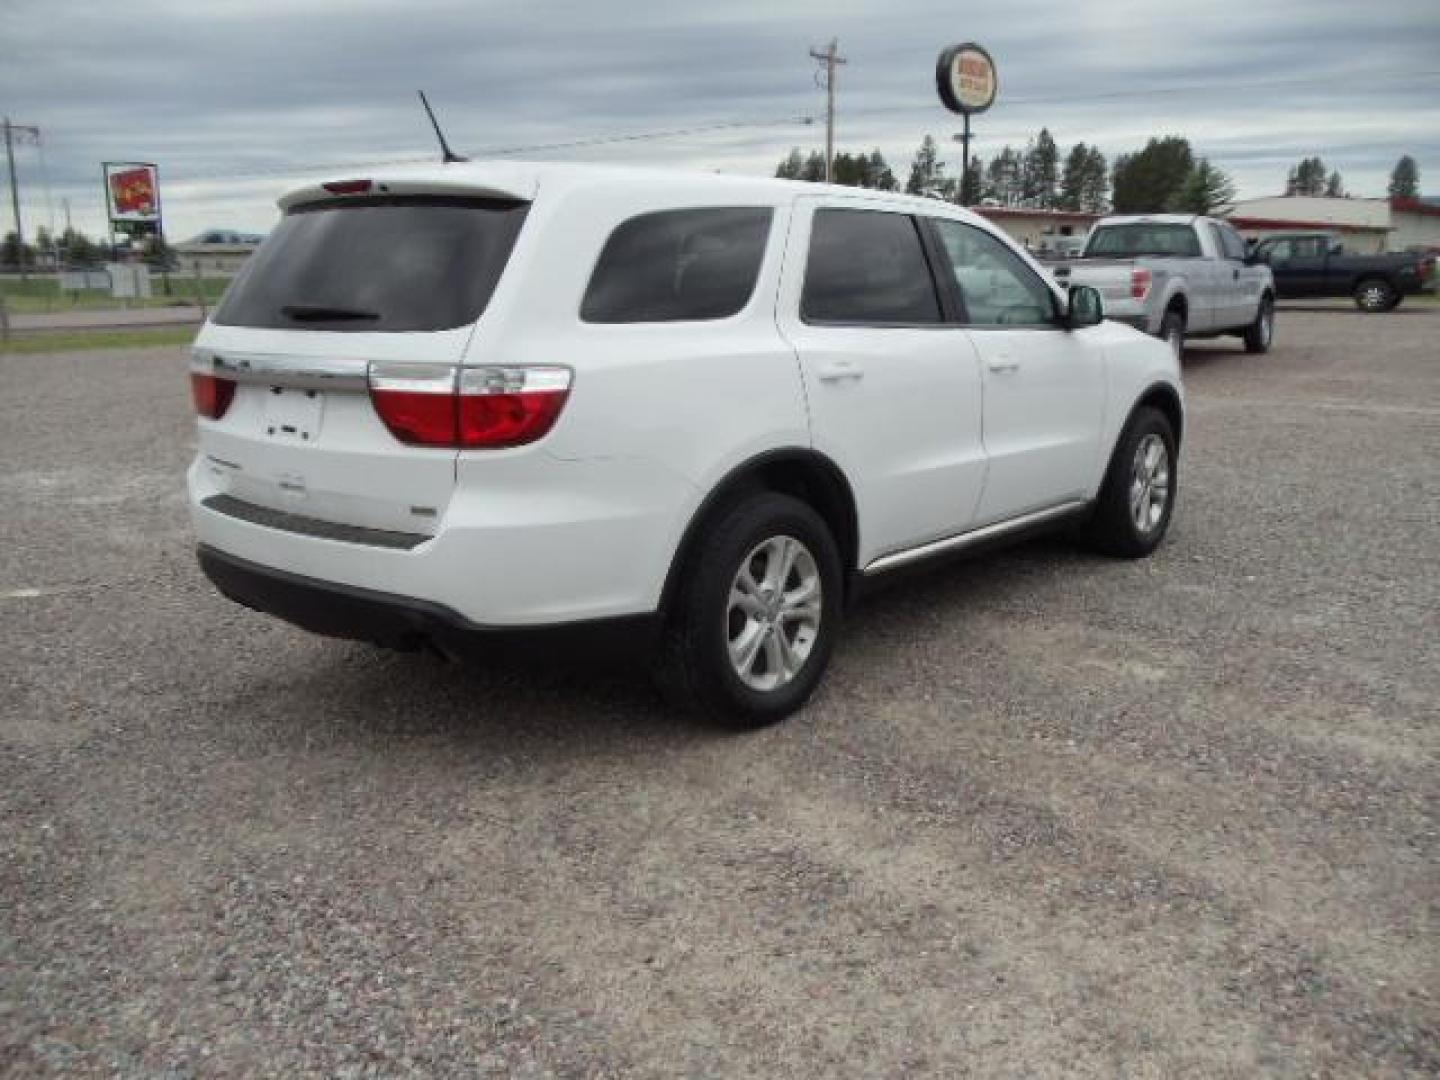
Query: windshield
{"points": [[1144, 238], [367, 264]]}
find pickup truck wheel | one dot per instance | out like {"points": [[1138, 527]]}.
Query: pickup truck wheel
{"points": [[1261, 332], [1373, 294], [1138, 495], [1172, 332], [753, 625]]}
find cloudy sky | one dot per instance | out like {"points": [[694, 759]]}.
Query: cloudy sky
{"points": [[236, 99]]}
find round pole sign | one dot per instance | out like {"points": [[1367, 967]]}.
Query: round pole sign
{"points": [[965, 76]]}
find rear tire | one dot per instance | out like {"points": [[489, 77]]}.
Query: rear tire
{"points": [[1260, 333], [1376, 294], [1137, 498], [754, 622], [1172, 332]]}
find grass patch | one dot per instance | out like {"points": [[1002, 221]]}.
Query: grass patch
{"points": [[51, 341], [41, 294]]}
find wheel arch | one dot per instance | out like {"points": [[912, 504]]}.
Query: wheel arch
{"points": [[799, 471], [1178, 301], [1164, 397]]}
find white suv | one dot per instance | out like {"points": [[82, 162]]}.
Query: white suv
{"points": [[469, 404]]}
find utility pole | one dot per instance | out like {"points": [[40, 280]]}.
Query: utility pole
{"points": [[11, 130], [830, 58]]}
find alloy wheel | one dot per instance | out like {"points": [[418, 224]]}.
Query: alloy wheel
{"points": [[772, 620], [1150, 484]]}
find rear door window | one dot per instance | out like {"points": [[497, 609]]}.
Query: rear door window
{"points": [[867, 268], [678, 265], [401, 263]]}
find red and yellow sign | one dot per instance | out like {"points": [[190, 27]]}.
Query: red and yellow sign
{"points": [[134, 191]]}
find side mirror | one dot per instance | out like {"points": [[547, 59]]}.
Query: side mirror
{"points": [[1084, 307]]}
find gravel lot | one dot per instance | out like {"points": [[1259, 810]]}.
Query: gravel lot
{"points": [[1051, 815]]}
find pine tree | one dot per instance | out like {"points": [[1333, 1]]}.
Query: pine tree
{"points": [[1335, 186], [1072, 177], [881, 175], [1307, 178], [972, 192], [1041, 171], [791, 167], [814, 169], [1405, 179], [1095, 188], [1205, 190], [927, 172]]}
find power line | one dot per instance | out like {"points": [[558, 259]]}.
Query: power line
{"points": [[732, 125], [504, 151]]}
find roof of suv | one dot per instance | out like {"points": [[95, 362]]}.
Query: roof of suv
{"points": [[521, 180]]}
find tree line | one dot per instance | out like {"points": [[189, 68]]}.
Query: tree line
{"points": [[74, 250], [1164, 175]]}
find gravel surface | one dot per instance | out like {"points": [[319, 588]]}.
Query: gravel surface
{"points": [[1051, 814]]}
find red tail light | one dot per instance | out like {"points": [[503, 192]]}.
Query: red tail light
{"points": [[487, 407], [212, 395], [1140, 279], [510, 406]]}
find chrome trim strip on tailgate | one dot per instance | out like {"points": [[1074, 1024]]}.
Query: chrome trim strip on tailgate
{"points": [[292, 373], [308, 526], [974, 536]]}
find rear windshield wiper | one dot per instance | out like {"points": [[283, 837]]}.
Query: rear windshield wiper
{"points": [[324, 313]]}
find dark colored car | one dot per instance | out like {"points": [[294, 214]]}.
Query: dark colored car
{"points": [[1317, 264]]}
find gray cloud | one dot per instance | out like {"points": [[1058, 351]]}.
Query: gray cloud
{"points": [[228, 93]]}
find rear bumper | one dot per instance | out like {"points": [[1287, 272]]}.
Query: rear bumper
{"points": [[347, 611]]}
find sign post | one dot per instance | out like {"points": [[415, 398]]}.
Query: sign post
{"points": [[967, 81]]}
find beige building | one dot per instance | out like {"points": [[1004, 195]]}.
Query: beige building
{"points": [[1367, 226], [218, 253], [1039, 230]]}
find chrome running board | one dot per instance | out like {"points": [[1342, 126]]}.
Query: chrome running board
{"points": [[974, 536]]}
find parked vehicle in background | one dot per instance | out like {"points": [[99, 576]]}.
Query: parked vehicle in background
{"points": [[468, 403], [1177, 276], [1309, 264], [1068, 247]]}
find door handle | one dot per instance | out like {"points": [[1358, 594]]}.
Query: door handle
{"points": [[1003, 365], [839, 370], [1237, 275]]}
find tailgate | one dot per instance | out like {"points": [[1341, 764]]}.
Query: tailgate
{"points": [[343, 291], [302, 436], [1111, 277]]}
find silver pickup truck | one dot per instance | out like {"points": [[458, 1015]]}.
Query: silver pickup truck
{"points": [[1176, 276]]}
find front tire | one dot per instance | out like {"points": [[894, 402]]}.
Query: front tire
{"points": [[755, 618], [1375, 294], [1137, 498], [1260, 333]]}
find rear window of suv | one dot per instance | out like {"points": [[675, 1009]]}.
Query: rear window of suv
{"points": [[389, 263], [678, 265]]}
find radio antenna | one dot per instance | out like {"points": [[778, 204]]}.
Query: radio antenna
{"points": [[446, 154]]}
